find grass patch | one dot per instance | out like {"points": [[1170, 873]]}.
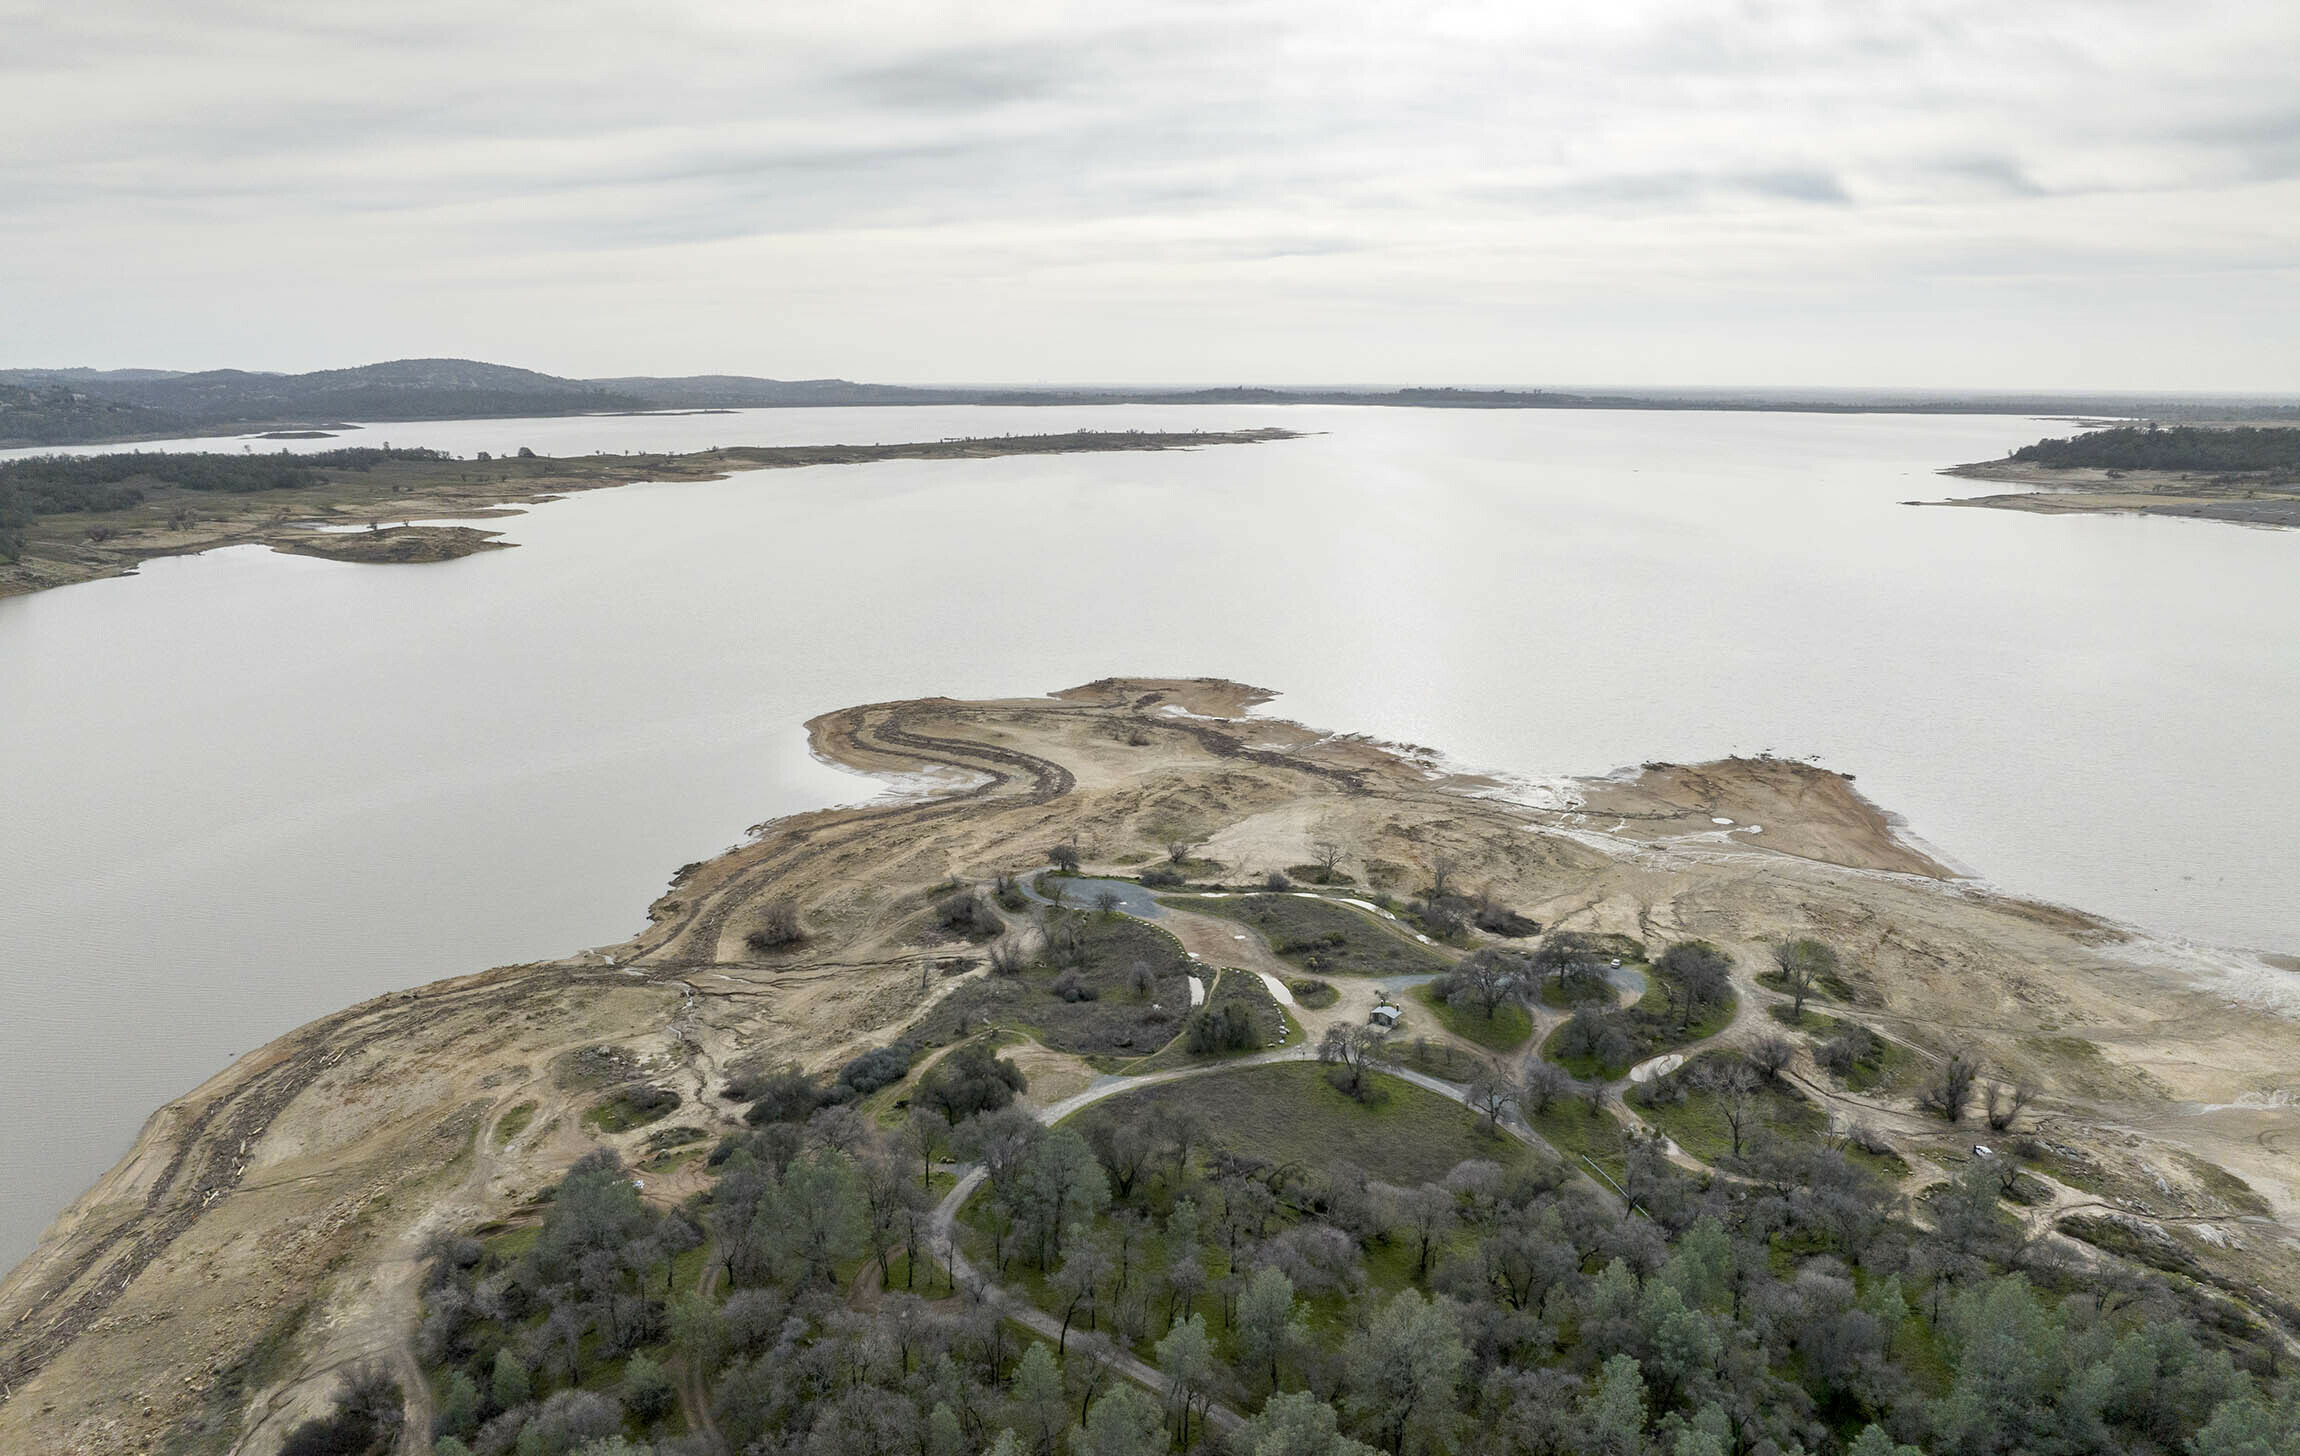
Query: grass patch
{"points": [[1112, 1018], [1322, 937], [1269, 1024], [1813, 1023], [514, 1122], [1310, 874], [1632, 1035], [1696, 1122], [1313, 993], [1439, 1059], [1574, 1130], [630, 1107], [1290, 1113], [1828, 986], [1510, 1026]]}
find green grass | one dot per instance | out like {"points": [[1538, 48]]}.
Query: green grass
{"points": [[1311, 992], [1649, 1030], [515, 1122], [631, 1107], [1116, 1023], [1830, 987], [1229, 986], [1569, 1127], [1320, 936], [1813, 1023], [1290, 1113], [1440, 1059], [1698, 1125], [1510, 1026], [512, 1242]]}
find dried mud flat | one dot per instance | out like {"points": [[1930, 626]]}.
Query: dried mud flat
{"points": [[265, 1230]]}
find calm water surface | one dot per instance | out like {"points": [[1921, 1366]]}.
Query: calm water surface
{"points": [[246, 789]]}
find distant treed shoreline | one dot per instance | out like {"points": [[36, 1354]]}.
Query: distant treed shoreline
{"points": [[87, 406]]}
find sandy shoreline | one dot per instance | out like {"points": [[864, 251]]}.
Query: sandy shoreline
{"points": [[2053, 491]]}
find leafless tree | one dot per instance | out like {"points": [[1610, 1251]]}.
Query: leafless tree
{"points": [[1804, 965], [1106, 901], [1545, 1084], [1178, 851], [1327, 855], [1008, 956], [778, 928], [1737, 1104], [1771, 1056], [1490, 1096], [1352, 1049], [1951, 1089], [1443, 867], [1486, 979], [2003, 1105]]}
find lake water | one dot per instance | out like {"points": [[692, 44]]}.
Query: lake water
{"points": [[246, 789]]}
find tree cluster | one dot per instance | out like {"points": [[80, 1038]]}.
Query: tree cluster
{"points": [[2182, 447]]}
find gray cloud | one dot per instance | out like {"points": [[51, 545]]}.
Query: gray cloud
{"points": [[1155, 191]]}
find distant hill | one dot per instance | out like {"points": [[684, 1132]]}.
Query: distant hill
{"points": [[68, 406], [401, 389], [125, 403], [56, 414]]}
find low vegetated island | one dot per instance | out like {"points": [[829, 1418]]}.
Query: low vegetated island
{"points": [[1057, 1116], [70, 518], [2247, 474]]}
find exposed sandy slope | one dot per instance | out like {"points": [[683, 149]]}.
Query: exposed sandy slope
{"points": [[288, 1197], [2247, 499]]}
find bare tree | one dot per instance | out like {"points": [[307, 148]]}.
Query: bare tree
{"points": [[2002, 1105], [925, 1136], [1771, 1056], [778, 928], [1545, 1084], [1804, 965], [1951, 1089], [1486, 978], [1178, 851], [1736, 1093], [1008, 956], [1352, 1049], [1443, 867], [1107, 902], [1490, 1096], [1327, 855], [1427, 1213]]}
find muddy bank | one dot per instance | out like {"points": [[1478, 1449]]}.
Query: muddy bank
{"points": [[393, 544]]}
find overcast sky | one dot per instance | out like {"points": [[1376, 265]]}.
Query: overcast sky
{"points": [[2055, 193]]}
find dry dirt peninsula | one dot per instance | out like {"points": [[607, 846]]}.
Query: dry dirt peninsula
{"points": [[266, 1231]]}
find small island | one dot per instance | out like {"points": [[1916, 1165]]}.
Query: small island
{"points": [[2245, 474]]}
